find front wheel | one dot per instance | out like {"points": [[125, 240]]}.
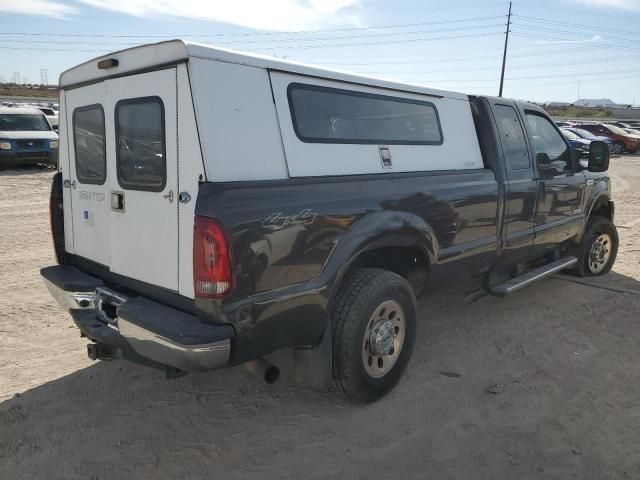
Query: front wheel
{"points": [[374, 330], [598, 249], [618, 147]]}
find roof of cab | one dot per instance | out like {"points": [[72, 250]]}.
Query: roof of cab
{"points": [[173, 51], [20, 111]]}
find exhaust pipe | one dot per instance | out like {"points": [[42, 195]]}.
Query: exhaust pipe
{"points": [[262, 368]]}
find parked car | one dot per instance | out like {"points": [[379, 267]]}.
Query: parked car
{"points": [[576, 141], [26, 137], [51, 115], [587, 135], [300, 210], [623, 141], [564, 124], [622, 125]]}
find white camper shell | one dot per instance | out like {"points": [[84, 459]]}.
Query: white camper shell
{"points": [[140, 128]]}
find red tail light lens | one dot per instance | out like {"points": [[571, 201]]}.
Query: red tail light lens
{"points": [[212, 263]]}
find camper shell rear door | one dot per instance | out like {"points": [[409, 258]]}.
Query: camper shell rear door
{"points": [[125, 210]]}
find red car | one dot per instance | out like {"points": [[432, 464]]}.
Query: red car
{"points": [[622, 141]]}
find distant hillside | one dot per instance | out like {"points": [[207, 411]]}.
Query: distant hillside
{"points": [[578, 112], [9, 90]]}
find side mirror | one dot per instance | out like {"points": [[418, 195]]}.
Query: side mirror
{"points": [[542, 159], [598, 157], [546, 167]]}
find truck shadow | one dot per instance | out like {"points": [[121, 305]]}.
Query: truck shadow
{"points": [[527, 373]]}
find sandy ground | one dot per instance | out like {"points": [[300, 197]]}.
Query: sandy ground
{"points": [[545, 384]]}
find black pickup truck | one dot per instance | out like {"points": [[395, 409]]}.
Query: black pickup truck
{"points": [[330, 266]]}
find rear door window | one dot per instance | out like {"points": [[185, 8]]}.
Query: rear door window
{"points": [[331, 115], [512, 137], [140, 144], [89, 144]]}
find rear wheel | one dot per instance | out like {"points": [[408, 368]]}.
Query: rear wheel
{"points": [[374, 329], [598, 249]]}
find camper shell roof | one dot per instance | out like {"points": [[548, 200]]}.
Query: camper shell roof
{"points": [[156, 55]]}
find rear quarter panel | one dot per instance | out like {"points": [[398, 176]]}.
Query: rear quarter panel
{"points": [[290, 232]]}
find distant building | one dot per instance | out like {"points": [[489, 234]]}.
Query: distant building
{"points": [[598, 102]]}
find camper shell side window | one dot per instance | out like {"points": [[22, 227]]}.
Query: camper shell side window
{"points": [[89, 144], [140, 144], [333, 115]]}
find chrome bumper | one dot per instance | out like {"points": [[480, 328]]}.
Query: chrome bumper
{"points": [[136, 328]]}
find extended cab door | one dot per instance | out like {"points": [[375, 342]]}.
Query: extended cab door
{"points": [[559, 214], [520, 187]]}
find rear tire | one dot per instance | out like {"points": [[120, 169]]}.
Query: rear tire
{"points": [[599, 248], [374, 330]]}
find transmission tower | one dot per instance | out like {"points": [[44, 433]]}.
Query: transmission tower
{"points": [[16, 77], [44, 80]]}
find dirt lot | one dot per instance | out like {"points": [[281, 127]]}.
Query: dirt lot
{"points": [[546, 385]]}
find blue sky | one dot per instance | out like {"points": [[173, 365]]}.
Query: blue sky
{"points": [[555, 47]]}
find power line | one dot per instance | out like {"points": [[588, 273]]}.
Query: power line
{"points": [[296, 47], [292, 32], [519, 67], [599, 14], [580, 25], [572, 34], [576, 75], [261, 42], [568, 40]]}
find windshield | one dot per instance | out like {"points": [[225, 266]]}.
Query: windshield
{"points": [[584, 133], [570, 135], [16, 122], [616, 130]]}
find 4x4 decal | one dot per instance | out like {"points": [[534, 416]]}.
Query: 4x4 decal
{"points": [[277, 221]]}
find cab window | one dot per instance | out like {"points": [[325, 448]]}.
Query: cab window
{"points": [[546, 139]]}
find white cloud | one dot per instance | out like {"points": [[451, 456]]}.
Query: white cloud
{"points": [[594, 39], [259, 14], [633, 5], [37, 7]]}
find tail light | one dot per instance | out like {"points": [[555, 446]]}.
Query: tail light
{"points": [[212, 262]]}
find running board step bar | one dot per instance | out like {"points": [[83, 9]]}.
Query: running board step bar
{"points": [[532, 276]]}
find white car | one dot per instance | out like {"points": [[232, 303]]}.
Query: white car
{"points": [[52, 116]]}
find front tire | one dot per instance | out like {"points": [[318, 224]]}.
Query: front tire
{"points": [[374, 330], [599, 248], [619, 147]]}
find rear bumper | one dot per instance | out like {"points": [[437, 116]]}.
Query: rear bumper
{"points": [[141, 329]]}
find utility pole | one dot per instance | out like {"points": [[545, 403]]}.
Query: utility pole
{"points": [[504, 55], [578, 90]]}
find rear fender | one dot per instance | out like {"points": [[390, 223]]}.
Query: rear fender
{"points": [[377, 230]]}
